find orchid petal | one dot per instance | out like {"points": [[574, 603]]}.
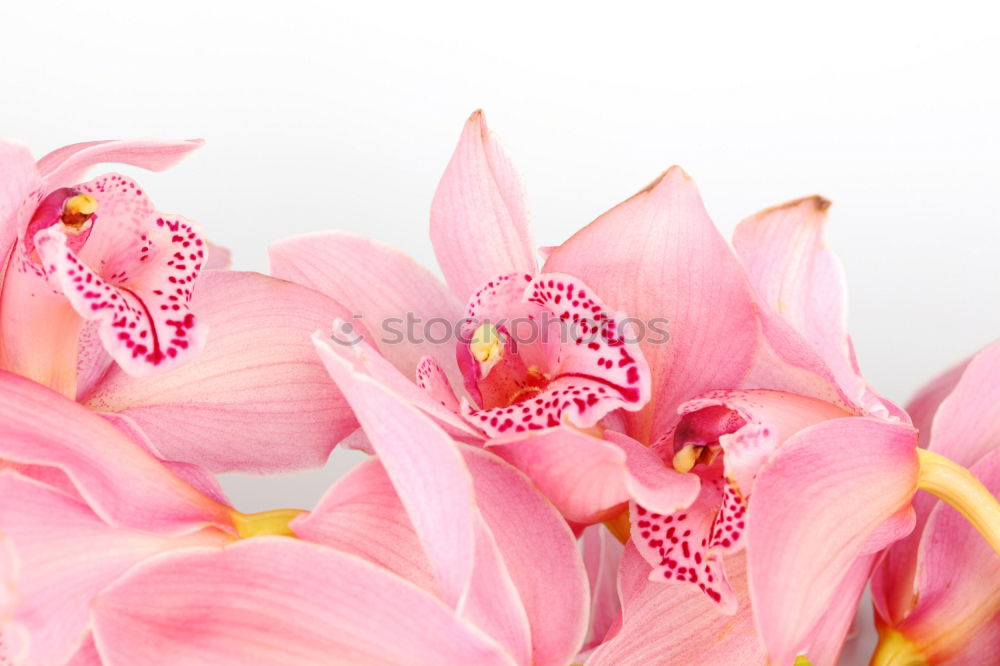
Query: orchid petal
{"points": [[479, 221], [67, 165], [341, 265], [431, 378], [589, 479], [357, 352], [957, 583], [361, 514], [145, 322], [924, 405], [964, 427], [123, 484], [158, 611], [602, 555], [650, 482], [663, 241], [540, 553], [846, 479], [55, 538], [256, 399], [219, 258], [20, 188], [834, 627], [677, 624], [425, 467]]}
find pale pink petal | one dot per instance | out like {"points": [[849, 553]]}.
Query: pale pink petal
{"points": [[964, 427], [814, 511], [587, 478], [658, 258], [67, 165], [479, 221], [967, 423], [20, 191], [197, 477], [357, 352], [395, 297], [493, 603], [361, 514], [602, 554], [39, 329], [677, 624], [257, 398], [55, 539], [650, 482], [540, 553], [87, 654], [307, 605], [833, 629], [219, 258], [431, 378], [425, 467], [123, 484], [957, 583]]}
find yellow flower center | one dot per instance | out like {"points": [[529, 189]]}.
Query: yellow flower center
{"points": [[77, 211]]}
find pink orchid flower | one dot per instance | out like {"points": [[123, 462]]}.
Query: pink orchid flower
{"points": [[755, 451], [444, 553], [106, 301], [94, 252], [534, 399], [937, 592]]}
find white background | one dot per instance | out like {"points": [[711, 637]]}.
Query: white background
{"points": [[343, 115]]}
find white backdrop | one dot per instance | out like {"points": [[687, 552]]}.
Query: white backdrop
{"points": [[343, 115]]}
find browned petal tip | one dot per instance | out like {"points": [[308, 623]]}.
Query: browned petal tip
{"points": [[673, 172], [818, 203]]}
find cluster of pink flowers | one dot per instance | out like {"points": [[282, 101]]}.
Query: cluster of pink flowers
{"points": [[653, 447]]}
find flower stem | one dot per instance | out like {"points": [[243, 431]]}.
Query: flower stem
{"points": [[265, 523], [956, 485]]}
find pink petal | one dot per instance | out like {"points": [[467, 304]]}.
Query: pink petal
{"points": [[584, 477], [68, 164], [55, 538], [847, 479], [145, 322], [361, 514], [771, 417], [431, 378], [686, 547], [354, 350], [957, 583], [479, 222], [834, 627], [602, 555], [794, 272], [87, 654], [677, 624], [219, 258], [395, 296], [658, 257], [20, 192], [39, 329], [425, 468], [649, 481], [257, 383], [540, 553], [924, 405], [123, 484], [966, 426], [196, 607]]}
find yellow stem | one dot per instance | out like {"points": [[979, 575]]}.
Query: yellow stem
{"points": [[619, 526], [265, 523], [956, 485], [895, 649]]}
